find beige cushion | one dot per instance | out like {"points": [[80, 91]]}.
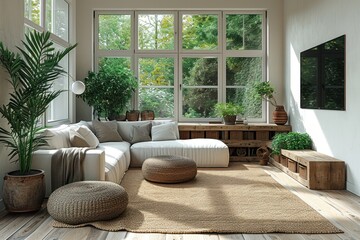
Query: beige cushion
{"points": [[83, 137], [166, 131], [106, 131], [141, 133], [126, 128]]}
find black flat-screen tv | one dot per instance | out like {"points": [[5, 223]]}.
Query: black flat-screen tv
{"points": [[323, 76]]}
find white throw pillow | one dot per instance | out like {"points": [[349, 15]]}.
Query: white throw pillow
{"points": [[83, 137], [175, 125], [166, 131], [57, 137], [87, 124]]}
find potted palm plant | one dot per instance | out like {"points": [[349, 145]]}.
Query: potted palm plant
{"points": [[228, 112], [32, 73], [265, 91]]}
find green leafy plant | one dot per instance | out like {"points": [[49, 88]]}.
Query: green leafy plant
{"points": [[227, 109], [265, 91], [109, 91], [290, 141], [32, 73]]}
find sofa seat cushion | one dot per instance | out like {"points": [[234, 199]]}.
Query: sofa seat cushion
{"points": [[117, 160], [205, 152]]}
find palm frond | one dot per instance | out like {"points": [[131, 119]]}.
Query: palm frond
{"points": [[32, 73]]}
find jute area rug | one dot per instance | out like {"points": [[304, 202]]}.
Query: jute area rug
{"points": [[238, 199]]}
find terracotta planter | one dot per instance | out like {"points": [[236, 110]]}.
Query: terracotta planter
{"points": [[117, 117], [132, 115], [147, 115], [24, 193], [280, 116]]}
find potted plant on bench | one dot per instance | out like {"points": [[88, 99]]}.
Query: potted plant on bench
{"points": [[265, 91], [228, 112], [32, 73]]}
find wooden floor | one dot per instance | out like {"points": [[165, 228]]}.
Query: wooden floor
{"points": [[342, 208]]}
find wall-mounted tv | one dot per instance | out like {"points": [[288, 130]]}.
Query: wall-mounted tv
{"points": [[323, 76]]}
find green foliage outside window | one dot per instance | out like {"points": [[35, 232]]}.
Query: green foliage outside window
{"points": [[200, 83], [114, 32], [156, 31]]}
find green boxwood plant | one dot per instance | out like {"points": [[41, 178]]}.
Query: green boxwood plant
{"points": [[291, 141]]}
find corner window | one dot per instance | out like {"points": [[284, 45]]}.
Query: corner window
{"points": [[53, 16]]}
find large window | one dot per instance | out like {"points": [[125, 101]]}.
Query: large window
{"points": [[53, 16], [187, 61]]}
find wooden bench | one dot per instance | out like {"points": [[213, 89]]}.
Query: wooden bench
{"points": [[313, 169]]}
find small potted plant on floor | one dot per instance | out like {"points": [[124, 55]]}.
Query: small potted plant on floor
{"points": [[32, 73], [228, 112], [265, 91]]}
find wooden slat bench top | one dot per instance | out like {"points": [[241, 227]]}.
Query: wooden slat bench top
{"points": [[306, 156]]}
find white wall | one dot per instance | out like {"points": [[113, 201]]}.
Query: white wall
{"points": [[308, 23], [11, 32], [84, 15]]}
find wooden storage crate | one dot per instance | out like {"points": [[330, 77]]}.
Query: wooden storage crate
{"points": [[212, 134], [302, 171], [284, 161], [276, 157], [292, 165], [236, 135]]}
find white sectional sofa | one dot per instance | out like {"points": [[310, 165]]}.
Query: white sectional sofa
{"points": [[110, 157]]}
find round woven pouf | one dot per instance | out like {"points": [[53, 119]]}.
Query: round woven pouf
{"points": [[169, 169], [87, 201]]}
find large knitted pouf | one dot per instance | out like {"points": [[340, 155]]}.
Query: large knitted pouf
{"points": [[87, 201], [169, 169]]}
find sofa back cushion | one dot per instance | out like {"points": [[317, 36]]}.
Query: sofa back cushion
{"points": [[141, 133], [106, 131], [126, 129]]}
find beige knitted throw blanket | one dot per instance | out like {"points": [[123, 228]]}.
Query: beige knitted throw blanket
{"points": [[66, 166]]}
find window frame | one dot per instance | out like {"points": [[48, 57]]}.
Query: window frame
{"points": [[247, 53], [221, 53], [46, 120]]}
